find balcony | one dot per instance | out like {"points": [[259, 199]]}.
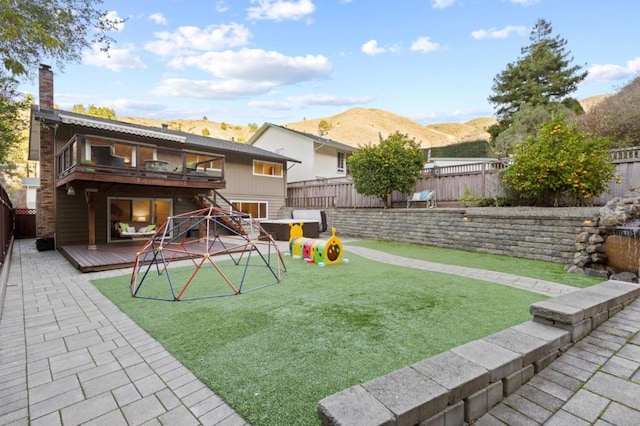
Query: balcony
{"points": [[99, 159]]}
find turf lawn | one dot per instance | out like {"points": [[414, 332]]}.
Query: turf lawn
{"points": [[542, 270], [272, 354]]}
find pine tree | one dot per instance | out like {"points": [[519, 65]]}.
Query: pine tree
{"points": [[543, 75]]}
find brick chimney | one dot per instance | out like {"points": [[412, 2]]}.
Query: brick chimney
{"points": [[46, 87], [45, 196]]}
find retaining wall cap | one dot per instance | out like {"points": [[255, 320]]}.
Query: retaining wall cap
{"points": [[559, 312], [499, 361], [632, 289], [556, 337], [354, 406], [458, 375], [531, 348], [592, 302], [411, 396]]}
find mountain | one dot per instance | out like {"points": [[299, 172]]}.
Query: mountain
{"points": [[355, 126]]}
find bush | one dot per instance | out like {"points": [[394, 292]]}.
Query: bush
{"points": [[561, 163], [494, 202]]}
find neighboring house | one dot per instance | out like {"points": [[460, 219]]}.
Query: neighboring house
{"points": [[95, 173], [31, 185], [319, 158], [460, 164]]}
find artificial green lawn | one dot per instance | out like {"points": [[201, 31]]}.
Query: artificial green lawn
{"points": [[272, 354], [542, 270]]}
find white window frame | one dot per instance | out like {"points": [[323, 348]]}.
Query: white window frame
{"points": [[342, 160], [279, 165], [238, 205]]}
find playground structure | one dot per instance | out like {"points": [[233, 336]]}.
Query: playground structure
{"points": [[313, 250], [221, 253]]}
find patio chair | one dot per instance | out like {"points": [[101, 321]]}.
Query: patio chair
{"points": [[426, 196]]}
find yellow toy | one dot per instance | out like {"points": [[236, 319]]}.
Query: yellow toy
{"points": [[321, 252]]}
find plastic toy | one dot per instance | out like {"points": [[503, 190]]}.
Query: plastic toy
{"points": [[312, 250]]}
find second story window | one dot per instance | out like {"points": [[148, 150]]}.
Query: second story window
{"points": [[341, 161], [266, 168]]}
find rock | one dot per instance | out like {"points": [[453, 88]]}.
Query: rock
{"points": [[629, 277], [596, 273]]}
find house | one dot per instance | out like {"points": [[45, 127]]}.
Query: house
{"points": [[97, 173], [30, 185], [318, 157]]}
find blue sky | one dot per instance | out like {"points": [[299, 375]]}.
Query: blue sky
{"points": [[251, 61]]}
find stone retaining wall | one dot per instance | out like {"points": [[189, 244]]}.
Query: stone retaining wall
{"points": [[532, 233], [462, 384]]}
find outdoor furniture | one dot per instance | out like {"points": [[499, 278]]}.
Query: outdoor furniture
{"points": [[134, 229], [426, 196], [102, 155]]}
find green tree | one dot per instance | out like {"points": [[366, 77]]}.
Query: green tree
{"points": [[14, 122], [95, 111], [205, 132], [392, 165], [616, 117], [324, 127], [560, 162], [527, 122], [31, 30], [223, 126], [542, 75], [253, 127]]}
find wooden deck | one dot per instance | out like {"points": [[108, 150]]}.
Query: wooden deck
{"points": [[123, 255], [106, 257]]}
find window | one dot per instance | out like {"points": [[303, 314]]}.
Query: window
{"points": [[257, 209], [266, 168], [341, 161], [137, 211]]}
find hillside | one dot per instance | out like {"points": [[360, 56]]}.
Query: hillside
{"points": [[355, 126]]}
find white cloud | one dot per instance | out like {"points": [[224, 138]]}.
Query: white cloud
{"points": [[499, 33], [371, 48], [117, 59], [609, 72], [189, 39], [247, 72], [524, 2], [158, 18], [221, 6], [113, 16], [258, 65], [442, 4], [424, 44], [211, 89], [279, 10], [299, 102]]}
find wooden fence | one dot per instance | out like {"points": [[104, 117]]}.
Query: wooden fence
{"points": [[450, 184]]}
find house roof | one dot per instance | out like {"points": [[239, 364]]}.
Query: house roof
{"points": [[317, 139], [55, 116]]}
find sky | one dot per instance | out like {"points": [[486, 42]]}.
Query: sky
{"points": [[282, 61]]}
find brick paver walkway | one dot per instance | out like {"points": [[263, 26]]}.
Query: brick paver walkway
{"points": [[69, 356], [596, 382]]}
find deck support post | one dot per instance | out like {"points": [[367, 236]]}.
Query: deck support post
{"points": [[91, 204]]}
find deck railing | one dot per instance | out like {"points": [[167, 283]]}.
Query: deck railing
{"points": [[92, 154]]}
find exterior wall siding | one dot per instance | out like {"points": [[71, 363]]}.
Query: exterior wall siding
{"points": [[293, 146]]}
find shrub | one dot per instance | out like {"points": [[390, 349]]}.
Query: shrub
{"points": [[561, 162]]}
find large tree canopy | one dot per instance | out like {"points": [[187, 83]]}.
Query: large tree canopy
{"points": [[32, 31], [392, 165], [57, 30], [543, 75]]}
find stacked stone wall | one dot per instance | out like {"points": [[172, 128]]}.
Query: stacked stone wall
{"points": [[532, 233]]}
